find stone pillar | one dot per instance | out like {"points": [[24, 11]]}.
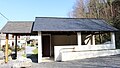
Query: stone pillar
{"points": [[113, 40], [79, 38], [39, 47]]}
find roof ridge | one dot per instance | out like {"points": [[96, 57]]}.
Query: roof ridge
{"points": [[69, 18]]}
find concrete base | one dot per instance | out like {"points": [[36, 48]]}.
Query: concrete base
{"points": [[22, 63], [47, 59], [66, 56]]}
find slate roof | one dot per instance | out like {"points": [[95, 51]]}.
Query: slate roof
{"points": [[71, 24], [18, 27]]}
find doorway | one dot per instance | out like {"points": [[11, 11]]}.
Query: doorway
{"points": [[46, 46]]}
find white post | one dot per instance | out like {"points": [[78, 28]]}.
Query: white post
{"points": [[93, 39], [113, 40], [39, 47], [79, 38]]}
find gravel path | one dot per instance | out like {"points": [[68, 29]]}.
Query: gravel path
{"points": [[100, 62]]}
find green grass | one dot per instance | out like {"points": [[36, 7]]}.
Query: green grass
{"points": [[28, 44], [35, 51], [24, 55]]}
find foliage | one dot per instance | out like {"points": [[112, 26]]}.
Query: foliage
{"points": [[22, 48], [105, 9], [32, 45], [35, 51], [24, 55], [104, 37]]}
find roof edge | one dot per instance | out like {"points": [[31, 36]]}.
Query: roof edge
{"points": [[68, 18], [19, 21]]}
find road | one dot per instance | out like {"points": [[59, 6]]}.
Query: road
{"points": [[99, 62]]}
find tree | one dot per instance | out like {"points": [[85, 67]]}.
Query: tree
{"points": [[93, 9], [105, 9], [78, 9], [116, 20]]}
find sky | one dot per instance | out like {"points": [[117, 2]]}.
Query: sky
{"points": [[27, 10]]}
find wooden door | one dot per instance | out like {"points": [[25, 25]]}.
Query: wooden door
{"points": [[46, 46]]}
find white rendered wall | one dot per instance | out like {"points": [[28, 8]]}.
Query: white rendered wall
{"points": [[58, 50], [10, 42], [33, 37], [61, 51], [39, 47], [66, 56]]}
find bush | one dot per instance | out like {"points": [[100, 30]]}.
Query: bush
{"points": [[35, 51]]}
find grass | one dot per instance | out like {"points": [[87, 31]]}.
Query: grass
{"points": [[24, 55]]}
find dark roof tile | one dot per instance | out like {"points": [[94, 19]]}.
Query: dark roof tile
{"points": [[17, 27], [71, 24]]}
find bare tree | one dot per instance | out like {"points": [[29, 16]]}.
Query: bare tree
{"points": [[95, 9], [78, 10], [105, 9]]}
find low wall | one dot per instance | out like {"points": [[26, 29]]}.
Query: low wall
{"points": [[95, 47], [62, 52], [66, 56], [59, 49]]}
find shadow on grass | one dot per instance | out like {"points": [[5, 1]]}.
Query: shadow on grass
{"points": [[33, 57]]}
